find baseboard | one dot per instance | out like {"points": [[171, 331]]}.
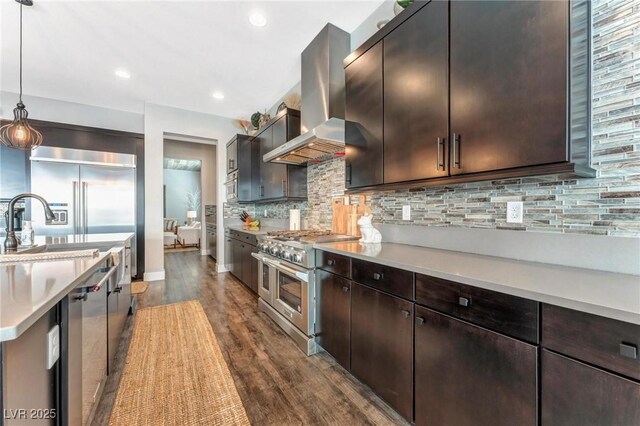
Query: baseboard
{"points": [[204, 252], [221, 268], [154, 276]]}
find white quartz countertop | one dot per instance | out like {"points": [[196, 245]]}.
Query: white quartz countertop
{"points": [[78, 240], [29, 290], [608, 294]]}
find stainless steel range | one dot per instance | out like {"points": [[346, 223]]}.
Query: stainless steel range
{"points": [[287, 287]]}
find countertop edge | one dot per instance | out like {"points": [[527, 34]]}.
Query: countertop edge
{"points": [[12, 333], [604, 311]]}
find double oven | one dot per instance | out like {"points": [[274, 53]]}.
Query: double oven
{"points": [[287, 295]]}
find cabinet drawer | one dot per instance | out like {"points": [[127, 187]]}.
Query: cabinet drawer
{"points": [[510, 315], [605, 342], [334, 263], [574, 393], [391, 280], [248, 238]]}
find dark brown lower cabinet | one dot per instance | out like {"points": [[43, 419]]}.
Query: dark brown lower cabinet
{"points": [[248, 267], [334, 320], [382, 345], [467, 375], [253, 278], [574, 393], [236, 266], [242, 265]]}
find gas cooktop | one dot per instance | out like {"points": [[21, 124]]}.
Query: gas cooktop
{"points": [[297, 246], [308, 236]]}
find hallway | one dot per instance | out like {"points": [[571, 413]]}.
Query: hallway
{"points": [[277, 383]]}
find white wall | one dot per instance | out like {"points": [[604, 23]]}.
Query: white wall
{"points": [[162, 122], [368, 27], [72, 113], [208, 175], [156, 123]]}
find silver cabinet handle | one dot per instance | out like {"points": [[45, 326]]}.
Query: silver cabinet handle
{"points": [[455, 154], [420, 320], [440, 159], [378, 276], [405, 313], [628, 350], [345, 289], [464, 301]]}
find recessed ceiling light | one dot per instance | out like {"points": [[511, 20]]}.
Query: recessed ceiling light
{"points": [[257, 19], [218, 95], [122, 73]]}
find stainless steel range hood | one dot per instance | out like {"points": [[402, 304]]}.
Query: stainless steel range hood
{"points": [[322, 110]]}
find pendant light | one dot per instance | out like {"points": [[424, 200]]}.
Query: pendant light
{"points": [[19, 134]]}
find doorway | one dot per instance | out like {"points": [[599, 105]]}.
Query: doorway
{"points": [[190, 195], [182, 201]]}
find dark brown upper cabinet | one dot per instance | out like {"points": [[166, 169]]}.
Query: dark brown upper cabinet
{"points": [[465, 91], [232, 155], [364, 119], [242, 156], [279, 181], [416, 97], [508, 84]]}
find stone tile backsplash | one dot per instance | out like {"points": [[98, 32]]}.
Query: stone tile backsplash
{"points": [[606, 205]]}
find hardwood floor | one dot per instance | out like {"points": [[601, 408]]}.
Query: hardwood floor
{"points": [[278, 384]]}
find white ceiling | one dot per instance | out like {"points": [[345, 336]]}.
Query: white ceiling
{"points": [[178, 52]]}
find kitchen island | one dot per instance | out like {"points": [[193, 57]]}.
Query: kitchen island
{"points": [[57, 319]]}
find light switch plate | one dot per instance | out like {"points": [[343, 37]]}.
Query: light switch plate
{"points": [[53, 346], [406, 212], [514, 211]]}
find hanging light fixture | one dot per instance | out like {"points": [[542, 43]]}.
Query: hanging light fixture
{"points": [[19, 133]]}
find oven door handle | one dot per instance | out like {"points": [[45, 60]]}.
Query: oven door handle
{"points": [[279, 266]]}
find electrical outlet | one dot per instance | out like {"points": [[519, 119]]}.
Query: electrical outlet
{"points": [[406, 212], [53, 346], [514, 211]]}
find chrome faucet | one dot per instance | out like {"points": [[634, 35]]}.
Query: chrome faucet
{"points": [[10, 242]]}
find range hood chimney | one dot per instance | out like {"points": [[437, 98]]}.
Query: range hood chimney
{"points": [[322, 110]]}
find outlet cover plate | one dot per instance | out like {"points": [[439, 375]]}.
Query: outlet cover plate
{"points": [[53, 346], [406, 212], [514, 211]]}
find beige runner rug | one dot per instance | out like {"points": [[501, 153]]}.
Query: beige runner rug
{"points": [[175, 373], [138, 287]]}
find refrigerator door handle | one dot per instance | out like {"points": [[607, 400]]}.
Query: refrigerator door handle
{"points": [[85, 192], [76, 207]]}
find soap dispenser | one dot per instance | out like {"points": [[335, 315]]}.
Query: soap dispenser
{"points": [[27, 235]]}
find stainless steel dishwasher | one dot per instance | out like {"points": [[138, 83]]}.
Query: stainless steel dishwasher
{"points": [[84, 363], [118, 303]]}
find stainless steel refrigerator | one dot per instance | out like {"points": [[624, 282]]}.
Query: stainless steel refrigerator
{"points": [[90, 192]]}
